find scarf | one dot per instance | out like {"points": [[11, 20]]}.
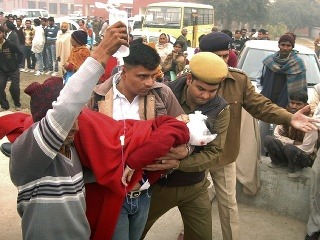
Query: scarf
{"points": [[292, 66]]}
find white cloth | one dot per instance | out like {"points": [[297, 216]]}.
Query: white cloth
{"points": [[122, 108], [38, 40], [200, 135], [63, 46], [164, 50]]}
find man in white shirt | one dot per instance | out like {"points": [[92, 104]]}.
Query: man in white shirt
{"points": [[290, 146]]}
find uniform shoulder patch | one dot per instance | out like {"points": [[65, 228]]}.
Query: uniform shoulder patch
{"points": [[233, 69]]}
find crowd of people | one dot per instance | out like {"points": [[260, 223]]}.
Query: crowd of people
{"points": [[104, 152], [43, 49]]}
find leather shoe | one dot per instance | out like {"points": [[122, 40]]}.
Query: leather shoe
{"points": [[6, 148], [313, 236]]}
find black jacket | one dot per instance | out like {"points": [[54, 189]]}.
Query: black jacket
{"points": [[10, 57]]}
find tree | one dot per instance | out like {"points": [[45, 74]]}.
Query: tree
{"points": [[254, 11], [295, 13]]}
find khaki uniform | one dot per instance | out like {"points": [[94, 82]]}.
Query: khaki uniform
{"points": [[238, 91]]}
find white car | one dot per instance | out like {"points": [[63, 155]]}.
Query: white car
{"points": [[255, 51]]}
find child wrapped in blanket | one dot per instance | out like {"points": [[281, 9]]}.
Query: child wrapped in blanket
{"points": [[200, 135]]}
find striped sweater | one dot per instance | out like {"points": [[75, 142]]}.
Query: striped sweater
{"points": [[51, 194]]}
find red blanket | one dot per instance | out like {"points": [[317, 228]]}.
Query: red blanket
{"points": [[98, 145]]}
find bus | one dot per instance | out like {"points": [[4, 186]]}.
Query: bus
{"points": [[171, 17]]}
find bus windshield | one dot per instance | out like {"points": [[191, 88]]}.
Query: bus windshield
{"points": [[163, 17]]}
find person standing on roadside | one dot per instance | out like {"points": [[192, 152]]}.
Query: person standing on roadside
{"points": [[38, 46], [262, 34], [63, 43], [51, 33], [20, 33], [96, 27], [244, 36], [10, 58], [283, 73], [44, 24], [78, 54], [183, 38], [11, 34], [2, 18], [29, 32], [163, 47]]}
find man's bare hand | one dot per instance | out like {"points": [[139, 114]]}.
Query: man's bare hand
{"points": [[163, 165], [127, 175], [178, 152], [115, 36], [302, 122]]}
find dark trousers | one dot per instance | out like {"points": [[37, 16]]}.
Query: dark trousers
{"points": [[289, 153], [23, 60], [31, 58], [14, 89], [45, 58]]}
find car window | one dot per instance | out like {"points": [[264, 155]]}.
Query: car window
{"points": [[45, 14], [252, 65], [312, 66]]}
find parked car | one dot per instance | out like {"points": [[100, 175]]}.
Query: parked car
{"points": [[31, 14], [255, 51]]}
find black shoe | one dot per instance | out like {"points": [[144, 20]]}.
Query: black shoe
{"points": [[313, 236], [6, 149]]}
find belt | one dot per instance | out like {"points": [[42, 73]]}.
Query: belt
{"points": [[136, 194]]}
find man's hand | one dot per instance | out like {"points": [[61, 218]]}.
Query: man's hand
{"points": [[302, 122], [178, 152], [126, 176], [163, 165], [115, 36]]}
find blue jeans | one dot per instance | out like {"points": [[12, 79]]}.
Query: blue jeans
{"points": [[51, 54], [39, 57], [133, 217]]}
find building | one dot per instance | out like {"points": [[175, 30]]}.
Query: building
{"points": [[132, 7], [79, 7]]}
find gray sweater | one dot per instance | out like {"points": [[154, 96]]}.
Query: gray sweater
{"points": [[51, 194]]}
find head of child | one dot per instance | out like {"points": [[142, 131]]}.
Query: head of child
{"points": [[42, 95]]}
